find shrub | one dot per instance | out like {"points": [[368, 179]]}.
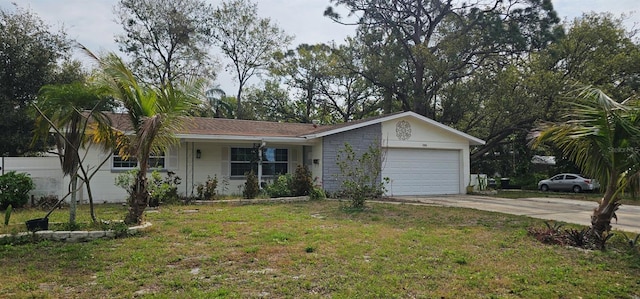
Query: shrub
{"points": [[586, 238], [207, 191], [251, 188], [281, 187], [14, 189], [126, 181], [302, 183], [360, 174], [317, 194], [163, 190], [528, 181], [160, 190], [224, 185]]}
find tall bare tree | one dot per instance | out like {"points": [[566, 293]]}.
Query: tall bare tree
{"points": [[168, 40], [247, 40]]}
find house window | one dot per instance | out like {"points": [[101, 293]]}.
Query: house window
{"points": [[120, 162], [155, 161], [275, 161]]}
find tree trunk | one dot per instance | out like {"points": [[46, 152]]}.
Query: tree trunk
{"points": [[387, 103], [419, 96], [74, 192], [239, 112], [602, 215], [139, 200], [91, 208]]}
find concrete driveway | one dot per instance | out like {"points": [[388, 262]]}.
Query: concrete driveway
{"points": [[558, 209]]}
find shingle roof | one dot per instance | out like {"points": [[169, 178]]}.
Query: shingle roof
{"points": [[120, 121], [222, 126], [230, 127], [250, 128]]}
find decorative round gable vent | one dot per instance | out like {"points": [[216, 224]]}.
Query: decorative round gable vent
{"points": [[403, 130]]}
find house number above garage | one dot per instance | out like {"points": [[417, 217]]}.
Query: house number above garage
{"points": [[403, 130]]}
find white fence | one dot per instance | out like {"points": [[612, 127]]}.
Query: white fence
{"points": [[45, 172], [478, 181]]}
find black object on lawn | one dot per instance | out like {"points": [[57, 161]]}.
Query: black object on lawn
{"points": [[43, 223], [38, 224]]}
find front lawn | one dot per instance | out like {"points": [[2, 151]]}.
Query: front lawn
{"points": [[319, 250]]}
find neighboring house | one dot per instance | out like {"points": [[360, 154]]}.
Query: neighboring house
{"points": [[422, 156]]}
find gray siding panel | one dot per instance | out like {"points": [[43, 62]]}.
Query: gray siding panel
{"points": [[360, 139]]}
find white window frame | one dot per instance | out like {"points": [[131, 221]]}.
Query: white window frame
{"points": [[264, 162], [133, 163]]}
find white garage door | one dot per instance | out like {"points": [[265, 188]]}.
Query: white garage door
{"points": [[422, 171]]}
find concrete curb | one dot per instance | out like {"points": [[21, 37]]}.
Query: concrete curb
{"points": [[72, 236]]}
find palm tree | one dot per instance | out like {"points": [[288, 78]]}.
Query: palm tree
{"points": [[155, 114], [67, 108], [216, 97], [600, 135]]}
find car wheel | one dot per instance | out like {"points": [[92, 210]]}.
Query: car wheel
{"points": [[577, 189], [544, 188]]}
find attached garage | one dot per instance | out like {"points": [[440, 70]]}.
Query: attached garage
{"points": [[414, 171], [422, 156]]}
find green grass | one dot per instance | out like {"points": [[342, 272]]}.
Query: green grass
{"points": [[318, 250]]}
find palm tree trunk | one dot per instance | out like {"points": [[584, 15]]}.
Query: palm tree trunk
{"points": [[140, 198], [602, 215]]}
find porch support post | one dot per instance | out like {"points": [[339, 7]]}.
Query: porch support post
{"points": [[260, 167], [262, 145]]}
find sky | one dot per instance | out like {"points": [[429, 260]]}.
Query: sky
{"points": [[92, 22]]}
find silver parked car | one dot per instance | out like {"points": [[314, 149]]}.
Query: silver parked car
{"points": [[568, 182]]}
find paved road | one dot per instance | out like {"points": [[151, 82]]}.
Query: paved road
{"points": [[558, 209]]}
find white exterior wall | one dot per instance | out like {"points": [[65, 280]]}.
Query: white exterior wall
{"points": [[47, 175], [103, 186], [45, 172], [427, 136], [214, 160]]}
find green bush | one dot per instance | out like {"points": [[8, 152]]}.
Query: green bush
{"points": [[360, 174], [14, 189], [281, 187], [251, 187], [528, 181], [302, 183], [317, 194], [126, 181], [207, 191], [163, 190]]}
